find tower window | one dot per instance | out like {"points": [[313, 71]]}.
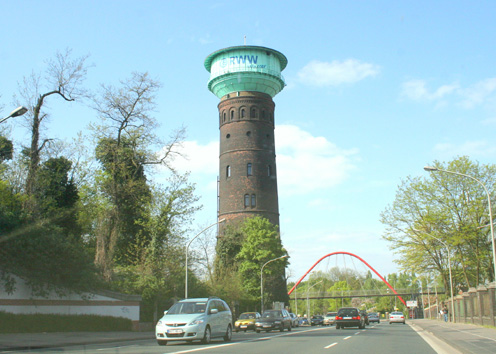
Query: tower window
{"points": [[247, 200], [242, 112], [248, 133], [269, 170], [253, 201], [249, 171], [228, 136], [253, 113], [263, 114], [228, 171], [224, 116], [232, 115]]}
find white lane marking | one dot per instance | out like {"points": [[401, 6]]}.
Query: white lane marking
{"points": [[438, 345], [245, 341], [331, 345], [347, 338]]}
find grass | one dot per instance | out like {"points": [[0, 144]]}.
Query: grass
{"points": [[37, 323]]}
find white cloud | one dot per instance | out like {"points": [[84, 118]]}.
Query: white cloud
{"points": [[478, 148], [474, 95], [305, 162], [416, 90], [478, 93], [318, 73], [198, 159]]}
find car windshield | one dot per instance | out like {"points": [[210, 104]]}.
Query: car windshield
{"points": [[271, 314], [397, 314], [183, 308], [331, 314], [247, 316]]}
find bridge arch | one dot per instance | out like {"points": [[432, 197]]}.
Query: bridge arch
{"points": [[353, 255]]}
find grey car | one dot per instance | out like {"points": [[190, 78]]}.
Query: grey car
{"points": [[195, 319]]}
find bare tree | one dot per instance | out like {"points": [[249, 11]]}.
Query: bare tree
{"points": [[63, 78]]}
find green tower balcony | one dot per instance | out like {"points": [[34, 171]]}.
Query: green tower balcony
{"points": [[246, 68]]}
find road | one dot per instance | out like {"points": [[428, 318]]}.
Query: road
{"points": [[378, 338]]}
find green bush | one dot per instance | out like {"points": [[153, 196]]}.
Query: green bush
{"points": [[14, 323]]}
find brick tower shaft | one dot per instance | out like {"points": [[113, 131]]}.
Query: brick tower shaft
{"points": [[247, 168]]}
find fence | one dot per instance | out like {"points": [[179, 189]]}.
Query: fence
{"points": [[477, 306]]}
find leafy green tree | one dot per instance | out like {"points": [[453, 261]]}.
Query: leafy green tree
{"points": [[6, 149], [444, 209], [125, 141], [57, 195], [261, 244]]}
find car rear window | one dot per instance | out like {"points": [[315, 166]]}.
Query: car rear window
{"points": [[348, 312]]}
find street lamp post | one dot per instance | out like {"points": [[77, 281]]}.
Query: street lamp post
{"points": [[19, 111], [261, 280], [449, 267], [434, 169], [308, 303], [187, 247]]}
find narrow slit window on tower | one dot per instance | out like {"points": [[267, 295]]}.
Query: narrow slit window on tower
{"points": [[228, 171], [269, 170], [242, 112], [253, 113], [249, 171], [253, 200], [224, 116], [247, 200]]}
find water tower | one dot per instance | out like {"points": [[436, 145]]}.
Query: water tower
{"points": [[245, 79]]}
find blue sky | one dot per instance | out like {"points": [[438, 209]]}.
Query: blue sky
{"points": [[375, 91]]}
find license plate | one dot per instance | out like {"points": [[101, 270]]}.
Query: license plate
{"points": [[174, 331], [244, 326], [267, 326], [347, 318]]}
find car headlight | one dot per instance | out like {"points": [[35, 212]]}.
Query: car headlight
{"points": [[197, 321], [258, 323], [159, 323], [276, 322]]}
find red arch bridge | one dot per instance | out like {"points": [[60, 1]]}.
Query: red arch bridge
{"points": [[349, 294]]}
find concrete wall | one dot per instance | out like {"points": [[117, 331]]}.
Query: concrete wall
{"points": [[102, 303]]}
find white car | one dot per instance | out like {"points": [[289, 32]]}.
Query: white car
{"points": [[195, 319], [396, 317]]}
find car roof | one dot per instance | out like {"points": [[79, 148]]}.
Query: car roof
{"points": [[200, 299]]}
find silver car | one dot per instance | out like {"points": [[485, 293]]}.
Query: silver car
{"points": [[195, 319], [396, 317]]}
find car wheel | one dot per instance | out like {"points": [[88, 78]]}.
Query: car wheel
{"points": [[281, 329], [228, 335], [337, 327], [162, 342], [290, 328], [207, 337]]}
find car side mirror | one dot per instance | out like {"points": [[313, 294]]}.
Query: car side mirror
{"points": [[165, 312], [214, 311]]}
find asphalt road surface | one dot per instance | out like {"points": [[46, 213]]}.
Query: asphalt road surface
{"points": [[378, 338]]}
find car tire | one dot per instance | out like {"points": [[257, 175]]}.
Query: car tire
{"points": [[207, 337], [290, 328], [228, 335], [162, 342], [337, 326], [281, 329]]}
